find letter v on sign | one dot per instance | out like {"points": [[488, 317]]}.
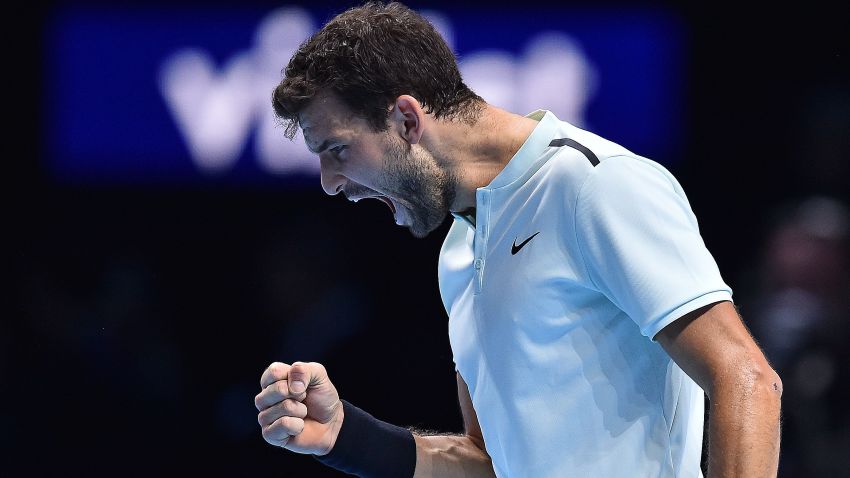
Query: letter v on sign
{"points": [[214, 111]]}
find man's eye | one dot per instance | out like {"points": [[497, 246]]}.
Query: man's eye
{"points": [[338, 149]]}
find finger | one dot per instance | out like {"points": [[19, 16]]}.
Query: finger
{"points": [[286, 408], [303, 375], [280, 443], [274, 393], [283, 428], [274, 372]]}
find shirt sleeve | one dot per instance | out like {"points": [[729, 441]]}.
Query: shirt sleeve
{"points": [[641, 245]]}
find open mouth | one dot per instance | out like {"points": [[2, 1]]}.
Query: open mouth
{"points": [[389, 203], [383, 199]]}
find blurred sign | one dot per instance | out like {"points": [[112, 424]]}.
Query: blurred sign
{"points": [[183, 95]]}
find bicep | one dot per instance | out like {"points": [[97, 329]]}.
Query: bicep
{"points": [[470, 419], [711, 344]]}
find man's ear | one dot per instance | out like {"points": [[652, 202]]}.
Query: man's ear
{"points": [[408, 118]]}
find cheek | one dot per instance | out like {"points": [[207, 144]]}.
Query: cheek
{"points": [[366, 159]]}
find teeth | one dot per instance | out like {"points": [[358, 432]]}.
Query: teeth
{"points": [[358, 199]]}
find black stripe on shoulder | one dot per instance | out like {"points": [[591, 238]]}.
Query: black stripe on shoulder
{"points": [[575, 144]]}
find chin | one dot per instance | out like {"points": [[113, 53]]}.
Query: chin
{"points": [[417, 231], [424, 224], [421, 231], [418, 234]]}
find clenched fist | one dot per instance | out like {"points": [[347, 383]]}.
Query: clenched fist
{"points": [[299, 407]]}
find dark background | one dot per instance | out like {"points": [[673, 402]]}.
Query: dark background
{"points": [[140, 318]]}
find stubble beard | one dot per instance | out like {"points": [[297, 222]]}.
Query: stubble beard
{"points": [[416, 178]]}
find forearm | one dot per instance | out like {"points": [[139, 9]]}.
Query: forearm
{"points": [[744, 427], [451, 456]]}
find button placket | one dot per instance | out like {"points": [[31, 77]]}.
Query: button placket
{"points": [[482, 216]]}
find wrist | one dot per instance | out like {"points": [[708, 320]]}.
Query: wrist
{"points": [[335, 426], [366, 446]]}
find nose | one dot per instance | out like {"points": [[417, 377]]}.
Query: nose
{"points": [[332, 181]]}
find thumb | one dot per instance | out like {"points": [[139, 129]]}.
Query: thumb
{"points": [[323, 402], [306, 375]]}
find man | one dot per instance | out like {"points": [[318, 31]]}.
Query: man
{"points": [[586, 316]]}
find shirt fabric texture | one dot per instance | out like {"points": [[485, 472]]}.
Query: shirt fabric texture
{"points": [[580, 253]]}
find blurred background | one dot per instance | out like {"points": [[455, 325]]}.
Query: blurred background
{"points": [[167, 242]]}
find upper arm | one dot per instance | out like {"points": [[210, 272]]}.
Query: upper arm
{"points": [[712, 345], [470, 419]]}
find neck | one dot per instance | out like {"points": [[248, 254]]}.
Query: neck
{"points": [[474, 155]]}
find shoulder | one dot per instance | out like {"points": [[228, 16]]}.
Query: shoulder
{"points": [[631, 182], [583, 164], [577, 153]]}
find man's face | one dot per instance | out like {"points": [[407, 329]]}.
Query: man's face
{"points": [[361, 163]]}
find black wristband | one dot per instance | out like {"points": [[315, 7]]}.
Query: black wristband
{"points": [[370, 448]]}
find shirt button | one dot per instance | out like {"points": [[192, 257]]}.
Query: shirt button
{"points": [[479, 263]]}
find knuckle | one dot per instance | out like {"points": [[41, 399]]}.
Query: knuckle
{"points": [[295, 408], [290, 425], [285, 422], [273, 430], [277, 369], [296, 426], [319, 367], [263, 418]]}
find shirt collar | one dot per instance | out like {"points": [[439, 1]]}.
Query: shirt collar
{"points": [[526, 156]]}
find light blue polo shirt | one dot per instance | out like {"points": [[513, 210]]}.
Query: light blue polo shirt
{"points": [[580, 253]]}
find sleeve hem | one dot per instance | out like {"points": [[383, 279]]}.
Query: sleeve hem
{"points": [[656, 326]]}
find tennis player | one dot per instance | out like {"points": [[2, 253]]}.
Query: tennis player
{"points": [[587, 319]]}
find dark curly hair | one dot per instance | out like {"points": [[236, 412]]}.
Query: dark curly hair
{"points": [[368, 56]]}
